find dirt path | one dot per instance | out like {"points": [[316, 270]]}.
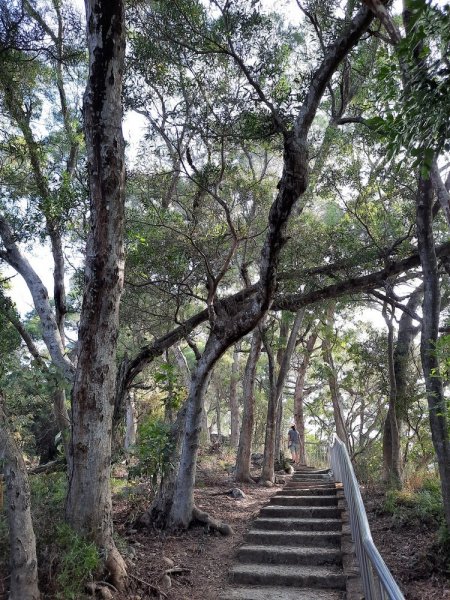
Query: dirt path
{"points": [[206, 557]]}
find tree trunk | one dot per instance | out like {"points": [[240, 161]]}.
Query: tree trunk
{"points": [[391, 441], [130, 424], [234, 404], [243, 457], [327, 354], [157, 513], [405, 338], [218, 419], [284, 332], [299, 395], [268, 472], [231, 320], [62, 420], [88, 507], [205, 438], [181, 512], [430, 330], [23, 559], [276, 390]]}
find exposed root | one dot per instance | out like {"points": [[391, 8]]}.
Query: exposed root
{"points": [[117, 569], [213, 524], [266, 483], [245, 479], [153, 588]]}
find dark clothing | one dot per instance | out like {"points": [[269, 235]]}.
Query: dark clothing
{"points": [[294, 437]]}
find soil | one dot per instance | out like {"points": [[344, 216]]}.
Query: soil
{"points": [[194, 565], [201, 559], [410, 550]]}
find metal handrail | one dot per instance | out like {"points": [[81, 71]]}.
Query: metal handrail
{"points": [[377, 579]]}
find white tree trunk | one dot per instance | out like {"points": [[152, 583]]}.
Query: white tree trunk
{"points": [[130, 424], [23, 559]]}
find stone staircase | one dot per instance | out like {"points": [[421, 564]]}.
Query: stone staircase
{"points": [[293, 551]]}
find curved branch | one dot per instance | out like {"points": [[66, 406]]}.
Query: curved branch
{"points": [[50, 332]]}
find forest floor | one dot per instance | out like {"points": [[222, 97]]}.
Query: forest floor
{"points": [[410, 550], [200, 560], [194, 565]]}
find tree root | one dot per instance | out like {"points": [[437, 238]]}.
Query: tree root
{"points": [[213, 524], [245, 479], [117, 569], [153, 588]]}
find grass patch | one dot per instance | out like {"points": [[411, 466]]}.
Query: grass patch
{"points": [[423, 503]]}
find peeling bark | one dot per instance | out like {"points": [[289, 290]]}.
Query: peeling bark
{"points": [[23, 559], [88, 507]]}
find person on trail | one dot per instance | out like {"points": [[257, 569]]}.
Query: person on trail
{"points": [[294, 443]]}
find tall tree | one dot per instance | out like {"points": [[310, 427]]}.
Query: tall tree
{"points": [[88, 506], [229, 322]]}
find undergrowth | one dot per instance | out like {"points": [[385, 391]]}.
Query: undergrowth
{"points": [[67, 561], [421, 502]]}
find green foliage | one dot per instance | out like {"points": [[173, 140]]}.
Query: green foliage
{"points": [[415, 116], [152, 450], [79, 560], [424, 503], [167, 380]]}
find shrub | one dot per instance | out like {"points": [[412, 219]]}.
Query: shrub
{"points": [[423, 503], [152, 450], [79, 559]]}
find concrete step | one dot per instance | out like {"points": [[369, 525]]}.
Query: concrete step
{"points": [[279, 593], [313, 471], [322, 539], [282, 524], [323, 490], [301, 512], [287, 555], [300, 490], [285, 500], [326, 577], [310, 478]]}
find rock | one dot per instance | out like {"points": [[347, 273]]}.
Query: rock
{"points": [[279, 480], [267, 484], [105, 593], [168, 562], [166, 582], [257, 458], [236, 493]]}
